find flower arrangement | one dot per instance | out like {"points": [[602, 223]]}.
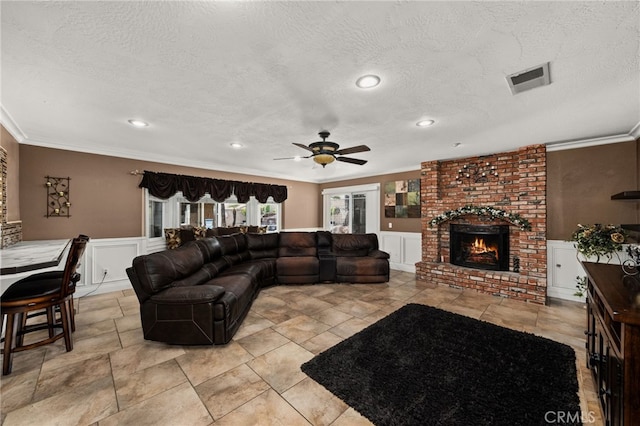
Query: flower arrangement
{"points": [[490, 212], [598, 240]]}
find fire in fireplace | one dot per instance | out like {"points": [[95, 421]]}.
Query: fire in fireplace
{"points": [[480, 246]]}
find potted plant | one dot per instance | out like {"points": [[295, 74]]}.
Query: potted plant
{"points": [[598, 240], [595, 241], [581, 285]]}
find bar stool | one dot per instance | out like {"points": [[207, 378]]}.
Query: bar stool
{"points": [[48, 292]]}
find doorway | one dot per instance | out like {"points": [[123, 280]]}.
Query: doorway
{"points": [[352, 210]]}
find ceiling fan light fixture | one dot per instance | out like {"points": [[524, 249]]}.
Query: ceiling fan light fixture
{"points": [[138, 123], [368, 81], [425, 123], [323, 159]]}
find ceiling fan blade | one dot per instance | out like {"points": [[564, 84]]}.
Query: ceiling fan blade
{"points": [[352, 160], [353, 150], [293, 158], [302, 146]]}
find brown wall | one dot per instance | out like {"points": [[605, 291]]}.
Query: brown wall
{"points": [[13, 170], [580, 183], [106, 201], [399, 224]]}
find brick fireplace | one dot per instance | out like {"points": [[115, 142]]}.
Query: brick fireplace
{"points": [[515, 183]]}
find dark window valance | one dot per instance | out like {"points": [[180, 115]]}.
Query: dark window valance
{"points": [[165, 185]]}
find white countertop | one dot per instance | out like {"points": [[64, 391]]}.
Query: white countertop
{"points": [[31, 255]]}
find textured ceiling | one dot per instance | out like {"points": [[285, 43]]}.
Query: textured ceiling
{"points": [[266, 74]]}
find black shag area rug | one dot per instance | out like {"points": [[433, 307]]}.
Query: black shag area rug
{"points": [[425, 366]]}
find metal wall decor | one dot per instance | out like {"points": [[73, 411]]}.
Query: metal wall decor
{"points": [[476, 172], [58, 201]]}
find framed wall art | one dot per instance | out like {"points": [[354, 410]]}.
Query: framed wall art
{"points": [[402, 198]]}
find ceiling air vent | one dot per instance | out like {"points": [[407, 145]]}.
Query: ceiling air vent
{"points": [[529, 78]]}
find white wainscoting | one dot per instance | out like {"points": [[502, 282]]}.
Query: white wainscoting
{"points": [[563, 267], [404, 248], [116, 254], [113, 255]]}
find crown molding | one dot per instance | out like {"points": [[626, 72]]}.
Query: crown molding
{"points": [[635, 132], [12, 127], [162, 159], [583, 143]]}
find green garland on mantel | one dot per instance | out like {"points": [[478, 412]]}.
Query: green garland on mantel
{"points": [[490, 212]]}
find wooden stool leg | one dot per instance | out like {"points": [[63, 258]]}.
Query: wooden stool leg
{"points": [[21, 319], [73, 314], [9, 343], [51, 320], [66, 325]]}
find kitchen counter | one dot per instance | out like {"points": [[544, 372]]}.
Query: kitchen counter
{"points": [[32, 255]]}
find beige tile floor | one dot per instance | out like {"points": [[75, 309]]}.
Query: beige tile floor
{"points": [[114, 377]]}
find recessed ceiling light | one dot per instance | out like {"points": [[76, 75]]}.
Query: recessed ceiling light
{"points": [[236, 145], [368, 81], [425, 123], [138, 123], [456, 144]]}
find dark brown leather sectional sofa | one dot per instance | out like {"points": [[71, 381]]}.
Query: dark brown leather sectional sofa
{"points": [[200, 292]]}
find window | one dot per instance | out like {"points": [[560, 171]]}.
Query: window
{"points": [[232, 213], [202, 213], [178, 211], [155, 219], [269, 216]]}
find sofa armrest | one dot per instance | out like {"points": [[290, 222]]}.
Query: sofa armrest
{"points": [[189, 294], [379, 254]]}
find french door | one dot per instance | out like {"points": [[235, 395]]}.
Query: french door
{"points": [[352, 210]]}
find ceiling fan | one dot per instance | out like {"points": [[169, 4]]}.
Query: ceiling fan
{"points": [[325, 152]]}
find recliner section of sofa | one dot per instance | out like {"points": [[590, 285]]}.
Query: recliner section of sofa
{"points": [[200, 292], [359, 259], [297, 261]]}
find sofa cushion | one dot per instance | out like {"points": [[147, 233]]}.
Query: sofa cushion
{"points": [[242, 287], [298, 266], [172, 235], [354, 266], [256, 230], [262, 245], [211, 248], [297, 244], [157, 271], [216, 267], [267, 270], [189, 295], [350, 245], [234, 248], [229, 231]]}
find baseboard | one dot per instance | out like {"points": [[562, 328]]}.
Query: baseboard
{"points": [[402, 267], [86, 290]]}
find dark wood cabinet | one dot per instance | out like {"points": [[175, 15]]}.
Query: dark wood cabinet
{"points": [[613, 341]]}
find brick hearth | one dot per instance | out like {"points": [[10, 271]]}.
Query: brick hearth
{"points": [[519, 188]]}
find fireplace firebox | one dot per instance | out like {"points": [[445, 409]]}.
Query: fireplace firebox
{"points": [[480, 246]]}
